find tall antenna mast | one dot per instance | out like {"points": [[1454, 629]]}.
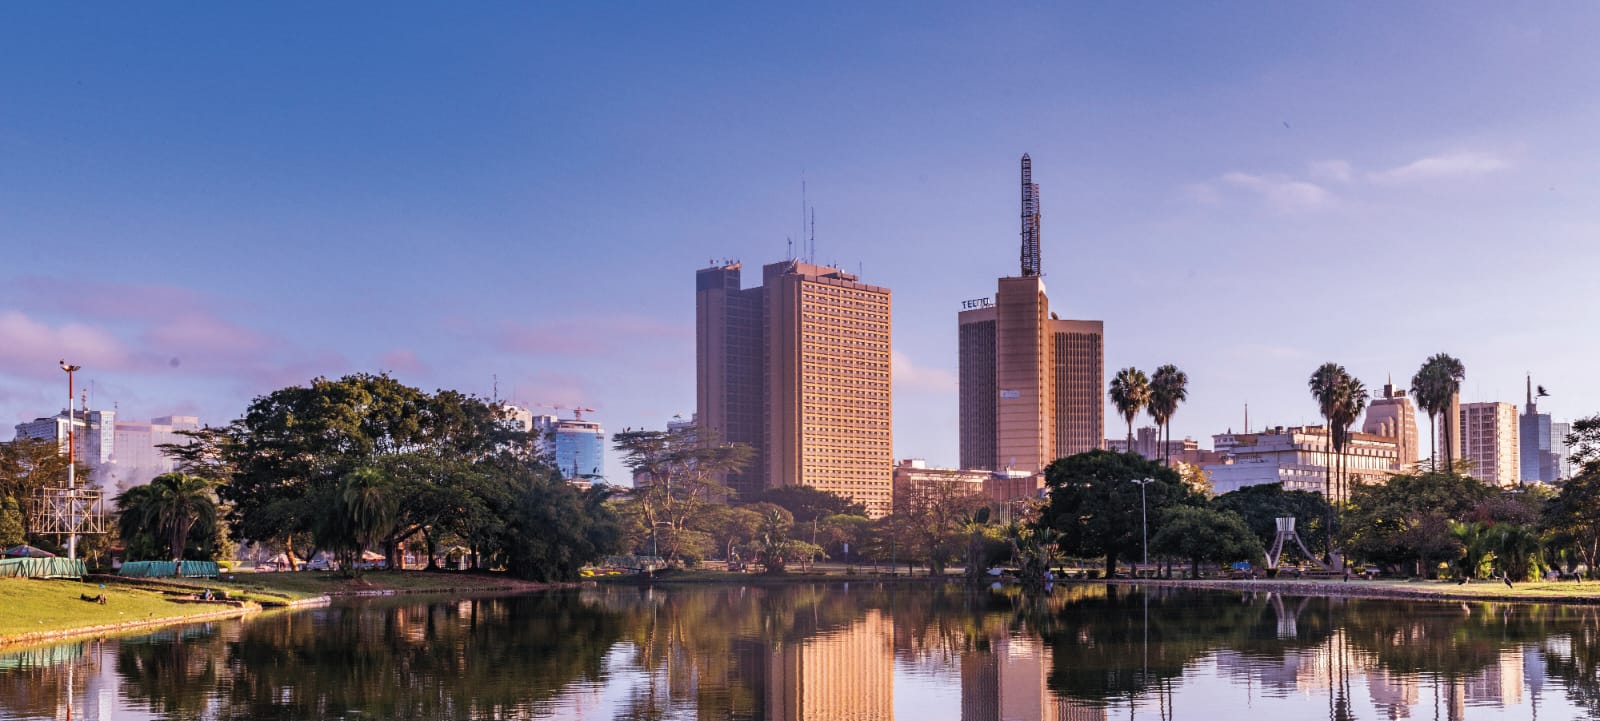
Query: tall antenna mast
{"points": [[1030, 220], [813, 234], [810, 252]]}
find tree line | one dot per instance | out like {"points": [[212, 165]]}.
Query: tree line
{"points": [[366, 463]]}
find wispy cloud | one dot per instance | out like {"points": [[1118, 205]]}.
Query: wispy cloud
{"points": [[1281, 193], [908, 376], [1449, 165]]}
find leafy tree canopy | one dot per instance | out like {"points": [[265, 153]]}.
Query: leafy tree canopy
{"points": [[1095, 502]]}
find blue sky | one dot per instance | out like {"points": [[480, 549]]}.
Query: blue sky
{"points": [[245, 197]]}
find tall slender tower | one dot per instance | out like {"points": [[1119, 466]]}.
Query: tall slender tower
{"points": [[1030, 382], [1030, 220]]}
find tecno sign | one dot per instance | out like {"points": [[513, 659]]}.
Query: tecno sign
{"points": [[976, 303]]}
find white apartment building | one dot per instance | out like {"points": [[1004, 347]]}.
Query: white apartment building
{"points": [[1299, 458]]}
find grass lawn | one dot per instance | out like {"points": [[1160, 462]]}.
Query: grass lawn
{"points": [[1532, 590], [32, 605]]}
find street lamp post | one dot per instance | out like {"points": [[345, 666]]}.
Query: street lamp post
{"points": [[72, 465], [1144, 516]]}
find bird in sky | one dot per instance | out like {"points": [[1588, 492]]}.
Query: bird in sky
{"points": [[1542, 392]]}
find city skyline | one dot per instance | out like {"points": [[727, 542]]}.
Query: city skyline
{"points": [[528, 207]]}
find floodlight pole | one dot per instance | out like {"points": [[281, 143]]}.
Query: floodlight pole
{"points": [[72, 464]]}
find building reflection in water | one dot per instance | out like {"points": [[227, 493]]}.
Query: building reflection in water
{"points": [[867, 653]]}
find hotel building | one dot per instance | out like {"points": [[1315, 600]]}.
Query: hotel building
{"points": [[1392, 414], [798, 369], [1031, 384]]}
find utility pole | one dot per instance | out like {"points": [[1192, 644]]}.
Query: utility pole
{"points": [[72, 464]]}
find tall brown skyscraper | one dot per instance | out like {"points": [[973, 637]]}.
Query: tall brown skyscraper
{"points": [[798, 368], [1030, 382]]}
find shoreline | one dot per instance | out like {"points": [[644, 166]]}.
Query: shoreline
{"points": [[245, 607], [243, 610], [1390, 590]]}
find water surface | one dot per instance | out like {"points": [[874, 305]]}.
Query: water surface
{"points": [[837, 652]]}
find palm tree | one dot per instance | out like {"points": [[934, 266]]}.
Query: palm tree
{"points": [[1168, 388], [1327, 383], [176, 502], [1352, 402], [368, 505], [1130, 391], [1435, 387]]}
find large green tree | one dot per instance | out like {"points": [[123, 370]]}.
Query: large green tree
{"points": [[287, 459], [1261, 505], [1095, 502], [678, 473], [1407, 520], [1574, 517], [1199, 534]]}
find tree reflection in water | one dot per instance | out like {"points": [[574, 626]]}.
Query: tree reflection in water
{"points": [[826, 651]]}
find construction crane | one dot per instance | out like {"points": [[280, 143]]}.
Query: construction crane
{"points": [[577, 411]]}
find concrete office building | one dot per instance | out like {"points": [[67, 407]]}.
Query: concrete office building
{"points": [[1491, 440], [1391, 414], [1299, 458], [1031, 383], [1538, 456], [798, 369], [577, 446], [119, 454]]}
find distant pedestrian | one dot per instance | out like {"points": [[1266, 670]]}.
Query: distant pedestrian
{"points": [[1346, 575]]}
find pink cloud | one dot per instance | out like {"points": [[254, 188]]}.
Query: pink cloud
{"points": [[201, 333], [402, 361], [31, 348]]}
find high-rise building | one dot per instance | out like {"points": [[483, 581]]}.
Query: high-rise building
{"points": [[1558, 448], [1490, 439], [798, 369], [576, 445], [119, 454], [1030, 382], [1392, 414], [1538, 456]]}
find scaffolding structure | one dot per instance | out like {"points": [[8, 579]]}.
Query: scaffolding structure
{"points": [[69, 511]]}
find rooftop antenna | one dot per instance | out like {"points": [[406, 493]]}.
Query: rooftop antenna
{"points": [[496, 377], [813, 234], [1030, 220], [1247, 416], [810, 255], [789, 254]]}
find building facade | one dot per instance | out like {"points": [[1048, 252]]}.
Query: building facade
{"points": [[1538, 455], [1491, 442], [799, 369], [1558, 448], [576, 446], [119, 454], [1300, 458], [1391, 414], [1147, 442], [1030, 382]]}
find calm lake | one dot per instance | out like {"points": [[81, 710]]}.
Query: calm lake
{"points": [[837, 652]]}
